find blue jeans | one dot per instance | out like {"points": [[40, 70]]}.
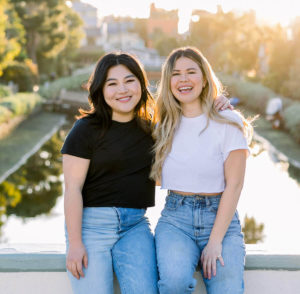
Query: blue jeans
{"points": [[182, 233], [120, 240]]}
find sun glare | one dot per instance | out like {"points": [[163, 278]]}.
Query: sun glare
{"points": [[282, 11]]}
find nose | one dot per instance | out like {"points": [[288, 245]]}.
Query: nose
{"points": [[122, 88], [183, 77]]}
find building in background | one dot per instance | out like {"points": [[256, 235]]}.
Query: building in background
{"points": [[91, 23], [162, 21]]}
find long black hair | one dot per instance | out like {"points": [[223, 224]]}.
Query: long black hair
{"points": [[144, 110]]}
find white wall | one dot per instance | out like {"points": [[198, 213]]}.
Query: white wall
{"points": [[256, 282]]}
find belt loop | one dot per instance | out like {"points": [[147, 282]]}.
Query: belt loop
{"points": [[207, 202], [181, 200]]}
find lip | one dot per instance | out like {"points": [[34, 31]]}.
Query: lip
{"points": [[124, 99], [185, 89]]}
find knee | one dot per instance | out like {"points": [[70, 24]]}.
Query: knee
{"points": [[176, 285]]}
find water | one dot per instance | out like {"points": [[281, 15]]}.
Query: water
{"points": [[271, 195]]}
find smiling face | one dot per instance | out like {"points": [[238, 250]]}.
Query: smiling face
{"points": [[122, 92], [187, 83]]}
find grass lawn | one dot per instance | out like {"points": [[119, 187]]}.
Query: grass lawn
{"points": [[26, 139]]}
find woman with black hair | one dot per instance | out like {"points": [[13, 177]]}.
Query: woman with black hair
{"points": [[106, 163]]}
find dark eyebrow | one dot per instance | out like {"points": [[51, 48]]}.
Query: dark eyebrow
{"points": [[113, 79]]}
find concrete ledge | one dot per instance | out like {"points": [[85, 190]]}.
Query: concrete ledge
{"points": [[36, 269], [51, 258]]}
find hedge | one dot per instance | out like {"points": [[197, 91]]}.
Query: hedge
{"points": [[52, 90], [18, 104], [256, 96], [5, 91]]}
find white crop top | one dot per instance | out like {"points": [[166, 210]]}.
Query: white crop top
{"points": [[196, 161]]}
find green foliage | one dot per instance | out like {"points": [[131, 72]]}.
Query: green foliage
{"points": [[5, 114], [21, 103], [85, 56], [53, 30], [253, 95], [11, 34], [229, 41], [69, 83], [253, 232], [291, 117], [5, 91], [22, 74]]}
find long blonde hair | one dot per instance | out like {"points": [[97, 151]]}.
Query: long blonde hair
{"points": [[169, 110]]}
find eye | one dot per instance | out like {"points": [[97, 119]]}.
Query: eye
{"points": [[130, 81], [191, 72], [111, 84], [175, 74]]}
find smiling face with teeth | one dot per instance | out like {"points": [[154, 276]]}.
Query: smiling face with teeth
{"points": [[187, 83], [122, 92]]}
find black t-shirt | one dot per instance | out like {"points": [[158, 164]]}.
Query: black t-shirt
{"points": [[120, 163]]}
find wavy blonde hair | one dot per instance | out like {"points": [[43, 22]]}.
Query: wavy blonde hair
{"points": [[169, 111]]}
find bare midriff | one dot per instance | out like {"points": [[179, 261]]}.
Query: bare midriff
{"points": [[193, 194]]}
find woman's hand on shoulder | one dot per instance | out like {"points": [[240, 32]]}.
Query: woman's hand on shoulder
{"points": [[210, 254], [76, 259], [222, 103]]}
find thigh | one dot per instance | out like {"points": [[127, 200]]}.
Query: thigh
{"points": [[134, 261], [98, 276], [230, 278], [99, 226], [177, 258]]}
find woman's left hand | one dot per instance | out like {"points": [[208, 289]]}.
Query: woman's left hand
{"points": [[210, 254], [222, 103]]}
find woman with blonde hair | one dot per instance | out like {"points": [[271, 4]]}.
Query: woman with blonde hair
{"points": [[200, 157]]}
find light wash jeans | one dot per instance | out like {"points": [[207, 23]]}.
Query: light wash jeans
{"points": [[120, 240], [181, 234]]}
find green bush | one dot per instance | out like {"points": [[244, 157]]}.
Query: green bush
{"points": [[291, 117], [255, 96], [21, 103], [5, 114], [5, 91], [21, 74], [69, 83]]}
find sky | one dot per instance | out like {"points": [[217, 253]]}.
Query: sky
{"points": [[272, 11]]}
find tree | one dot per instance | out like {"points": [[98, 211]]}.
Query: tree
{"points": [[51, 26], [230, 42], [253, 232], [11, 35]]}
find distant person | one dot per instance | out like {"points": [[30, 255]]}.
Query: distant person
{"points": [[274, 112], [107, 159], [200, 158], [234, 101]]}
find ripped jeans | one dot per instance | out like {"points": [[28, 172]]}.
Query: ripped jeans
{"points": [[117, 239], [182, 233]]}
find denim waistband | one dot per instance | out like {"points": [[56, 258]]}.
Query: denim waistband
{"points": [[195, 198]]}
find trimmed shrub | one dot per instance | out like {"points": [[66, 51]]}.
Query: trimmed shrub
{"points": [[51, 90], [21, 74], [5, 91], [291, 117], [255, 97], [22, 103], [5, 114]]}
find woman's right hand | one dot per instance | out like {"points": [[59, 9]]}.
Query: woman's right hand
{"points": [[76, 257]]}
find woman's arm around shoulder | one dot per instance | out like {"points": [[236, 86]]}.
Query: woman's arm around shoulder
{"points": [[75, 170]]}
